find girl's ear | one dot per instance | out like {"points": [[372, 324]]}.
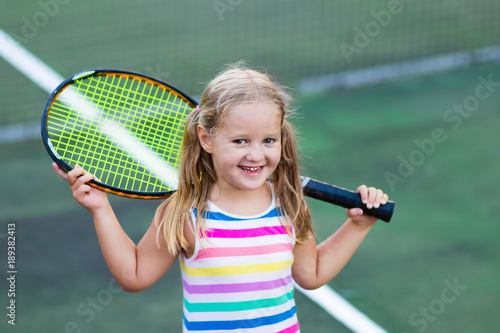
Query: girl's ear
{"points": [[205, 139]]}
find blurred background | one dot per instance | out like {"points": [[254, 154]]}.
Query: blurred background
{"points": [[399, 94]]}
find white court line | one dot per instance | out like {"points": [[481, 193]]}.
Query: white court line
{"points": [[342, 310], [20, 132], [383, 73], [28, 64], [47, 79]]}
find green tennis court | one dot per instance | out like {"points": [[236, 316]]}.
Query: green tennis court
{"points": [[409, 103]]}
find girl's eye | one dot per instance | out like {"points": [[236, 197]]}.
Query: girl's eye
{"points": [[269, 141], [239, 141]]}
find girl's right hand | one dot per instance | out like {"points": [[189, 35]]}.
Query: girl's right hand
{"points": [[87, 196]]}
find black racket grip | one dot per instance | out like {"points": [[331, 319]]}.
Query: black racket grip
{"points": [[344, 198]]}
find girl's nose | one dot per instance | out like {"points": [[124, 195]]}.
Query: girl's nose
{"points": [[255, 153]]}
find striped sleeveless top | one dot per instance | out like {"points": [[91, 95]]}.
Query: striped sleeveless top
{"points": [[240, 279]]}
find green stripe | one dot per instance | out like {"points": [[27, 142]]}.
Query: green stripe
{"points": [[238, 306]]}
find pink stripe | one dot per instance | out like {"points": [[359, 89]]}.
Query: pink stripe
{"points": [[213, 252], [236, 287], [291, 329], [245, 233]]}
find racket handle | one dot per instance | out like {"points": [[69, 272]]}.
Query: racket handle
{"points": [[344, 198]]}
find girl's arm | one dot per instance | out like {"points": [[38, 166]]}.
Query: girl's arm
{"points": [[314, 265], [134, 267]]}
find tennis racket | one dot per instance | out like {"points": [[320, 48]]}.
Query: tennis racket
{"points": [[127, 128]]}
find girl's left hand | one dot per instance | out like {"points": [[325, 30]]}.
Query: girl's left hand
{"points": [[372, 198]]}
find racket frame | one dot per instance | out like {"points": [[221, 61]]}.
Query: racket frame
{"points": [[65, 166]]}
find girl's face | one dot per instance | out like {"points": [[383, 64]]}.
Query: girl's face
{"points": [[247, 148]]}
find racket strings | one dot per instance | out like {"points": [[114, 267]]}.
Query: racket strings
{"points": [[156, 118], [113, 116], [87, 149]]}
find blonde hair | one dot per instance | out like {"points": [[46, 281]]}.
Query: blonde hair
{"points": [[235, 86]]}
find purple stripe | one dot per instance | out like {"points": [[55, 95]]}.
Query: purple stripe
{"points": [[235, 287], [245, 233]]}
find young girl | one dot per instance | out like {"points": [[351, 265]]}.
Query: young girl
{"points": [[238, 221]]}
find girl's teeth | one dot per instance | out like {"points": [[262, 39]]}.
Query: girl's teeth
{"points": [[254, 169]]}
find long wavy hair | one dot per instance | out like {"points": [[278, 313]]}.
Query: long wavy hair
{"points": [[234, 86]]}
